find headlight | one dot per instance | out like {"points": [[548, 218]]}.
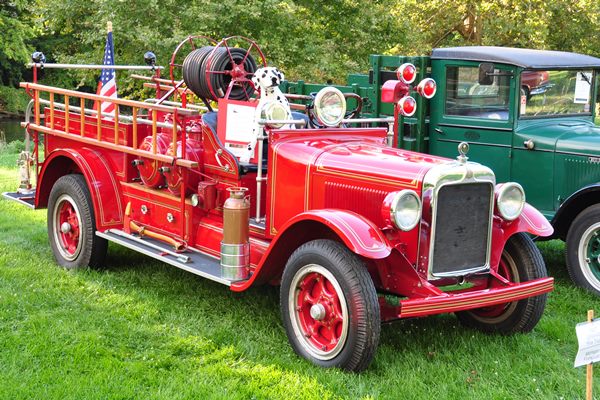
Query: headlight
{"points": [[273, 110], [510, 200], [405, 209], [330, 106]]}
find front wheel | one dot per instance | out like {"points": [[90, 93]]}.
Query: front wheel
{"points": [[583, 249], [329, 306], [72, 225], [521, 261]]}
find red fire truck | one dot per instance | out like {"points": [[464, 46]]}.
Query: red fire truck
{"points": [[355, 232]]}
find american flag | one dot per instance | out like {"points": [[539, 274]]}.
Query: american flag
{"points": [[107, 86]]}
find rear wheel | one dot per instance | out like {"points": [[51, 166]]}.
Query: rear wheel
{"points": [[72, 225], [521, 262], [583, 249], [329, 306]]}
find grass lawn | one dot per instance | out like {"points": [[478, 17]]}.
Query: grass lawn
{"points": [[143, 329]]}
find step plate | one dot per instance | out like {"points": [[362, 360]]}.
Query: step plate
{"points": [[26, 199], [197, 263]]}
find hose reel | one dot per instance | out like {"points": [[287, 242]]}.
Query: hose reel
{"points": [[213, 72]]}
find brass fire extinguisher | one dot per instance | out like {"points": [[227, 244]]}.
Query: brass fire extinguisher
{"points": [[235, 247]]}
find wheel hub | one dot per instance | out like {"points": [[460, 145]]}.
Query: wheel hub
{"points": [[317, 311], [65, 227]]}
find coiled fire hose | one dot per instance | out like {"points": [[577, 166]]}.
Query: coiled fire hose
{"points": [[196, 65]]}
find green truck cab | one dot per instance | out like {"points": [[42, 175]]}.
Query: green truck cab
{"points": [[527, 114]]}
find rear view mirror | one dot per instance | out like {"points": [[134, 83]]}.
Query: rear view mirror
{"points": [[486, 74]]}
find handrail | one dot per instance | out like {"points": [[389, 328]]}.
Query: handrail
{"points": [[99, 141], [112, 146], [94, 66], [116, 101], [90, 112]]}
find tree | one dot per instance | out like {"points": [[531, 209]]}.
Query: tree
{"points": [[14, 49]]}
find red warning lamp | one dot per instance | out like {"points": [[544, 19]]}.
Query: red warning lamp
{"points": [[427, 88], [407, 106], [407, 73]]}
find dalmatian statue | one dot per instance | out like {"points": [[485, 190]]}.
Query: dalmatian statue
{"points": [[267, 80]]}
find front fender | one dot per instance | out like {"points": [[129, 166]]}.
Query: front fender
{"points": [[530, 221], [101, 182], [360, 235]]}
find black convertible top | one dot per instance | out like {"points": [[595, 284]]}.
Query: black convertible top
{"points": [[525, 58]]}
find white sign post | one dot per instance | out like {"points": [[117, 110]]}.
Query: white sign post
{"points": [[588, 337]]}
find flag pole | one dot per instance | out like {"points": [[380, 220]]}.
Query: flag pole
{"points": [[109, 26]]}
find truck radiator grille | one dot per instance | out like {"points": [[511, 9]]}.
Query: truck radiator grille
{"points": [[366, 202], [462, 222]]}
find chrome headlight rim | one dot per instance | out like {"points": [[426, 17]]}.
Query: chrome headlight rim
{"points": [[319, 108], [500, 198], [273, 110], [394, 209]]}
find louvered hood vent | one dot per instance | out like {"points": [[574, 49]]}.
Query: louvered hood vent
{"points": [[363, 201]]}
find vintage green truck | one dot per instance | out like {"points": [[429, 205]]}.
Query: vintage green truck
{"points": [[528, 114]]}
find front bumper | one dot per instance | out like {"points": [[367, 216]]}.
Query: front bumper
{"points": [[448, 302]]}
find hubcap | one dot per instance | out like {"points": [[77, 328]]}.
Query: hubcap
{"points": [[67, 223], [589, 254], [65, 227], [318, 312]]}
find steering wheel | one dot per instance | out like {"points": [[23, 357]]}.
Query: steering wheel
{"points": [[312, 117]]}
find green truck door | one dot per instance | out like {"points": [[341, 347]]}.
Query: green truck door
{"points": [[533, 164], [478, 114]]}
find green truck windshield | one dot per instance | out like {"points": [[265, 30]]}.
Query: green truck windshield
{"points": [[552, 93]]}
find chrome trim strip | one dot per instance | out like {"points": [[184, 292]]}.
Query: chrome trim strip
{"points": [[472, 142], [484, 128]]}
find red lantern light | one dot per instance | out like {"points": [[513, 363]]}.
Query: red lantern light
{"points": [[407, 73], [427, 88], [407, 106]]}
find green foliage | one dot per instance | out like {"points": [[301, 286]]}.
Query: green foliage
{"points": [[13, 100], [16, 33], [311, 40]]}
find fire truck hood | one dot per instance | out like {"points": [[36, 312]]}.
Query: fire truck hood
{"points": [[364, 159]]}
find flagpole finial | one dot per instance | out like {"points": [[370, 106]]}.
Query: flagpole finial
{"points": [[109, 26]]}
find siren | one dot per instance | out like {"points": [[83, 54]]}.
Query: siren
{"points": [[407, 106], [407, 73], [427, 88]]}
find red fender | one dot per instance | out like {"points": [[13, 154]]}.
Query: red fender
{"points": [[531, 221], [101, 182], [360, 235]]}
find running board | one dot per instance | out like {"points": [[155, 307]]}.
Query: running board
{"points": [[191, 260], [26, 199]]}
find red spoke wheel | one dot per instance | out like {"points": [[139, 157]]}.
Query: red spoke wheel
{"points": [[329, 306], [319, 311], [521, 261], [66, 224], [72, 226]]}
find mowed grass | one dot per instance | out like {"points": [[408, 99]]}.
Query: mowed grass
{"points": [[141, 329]]}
